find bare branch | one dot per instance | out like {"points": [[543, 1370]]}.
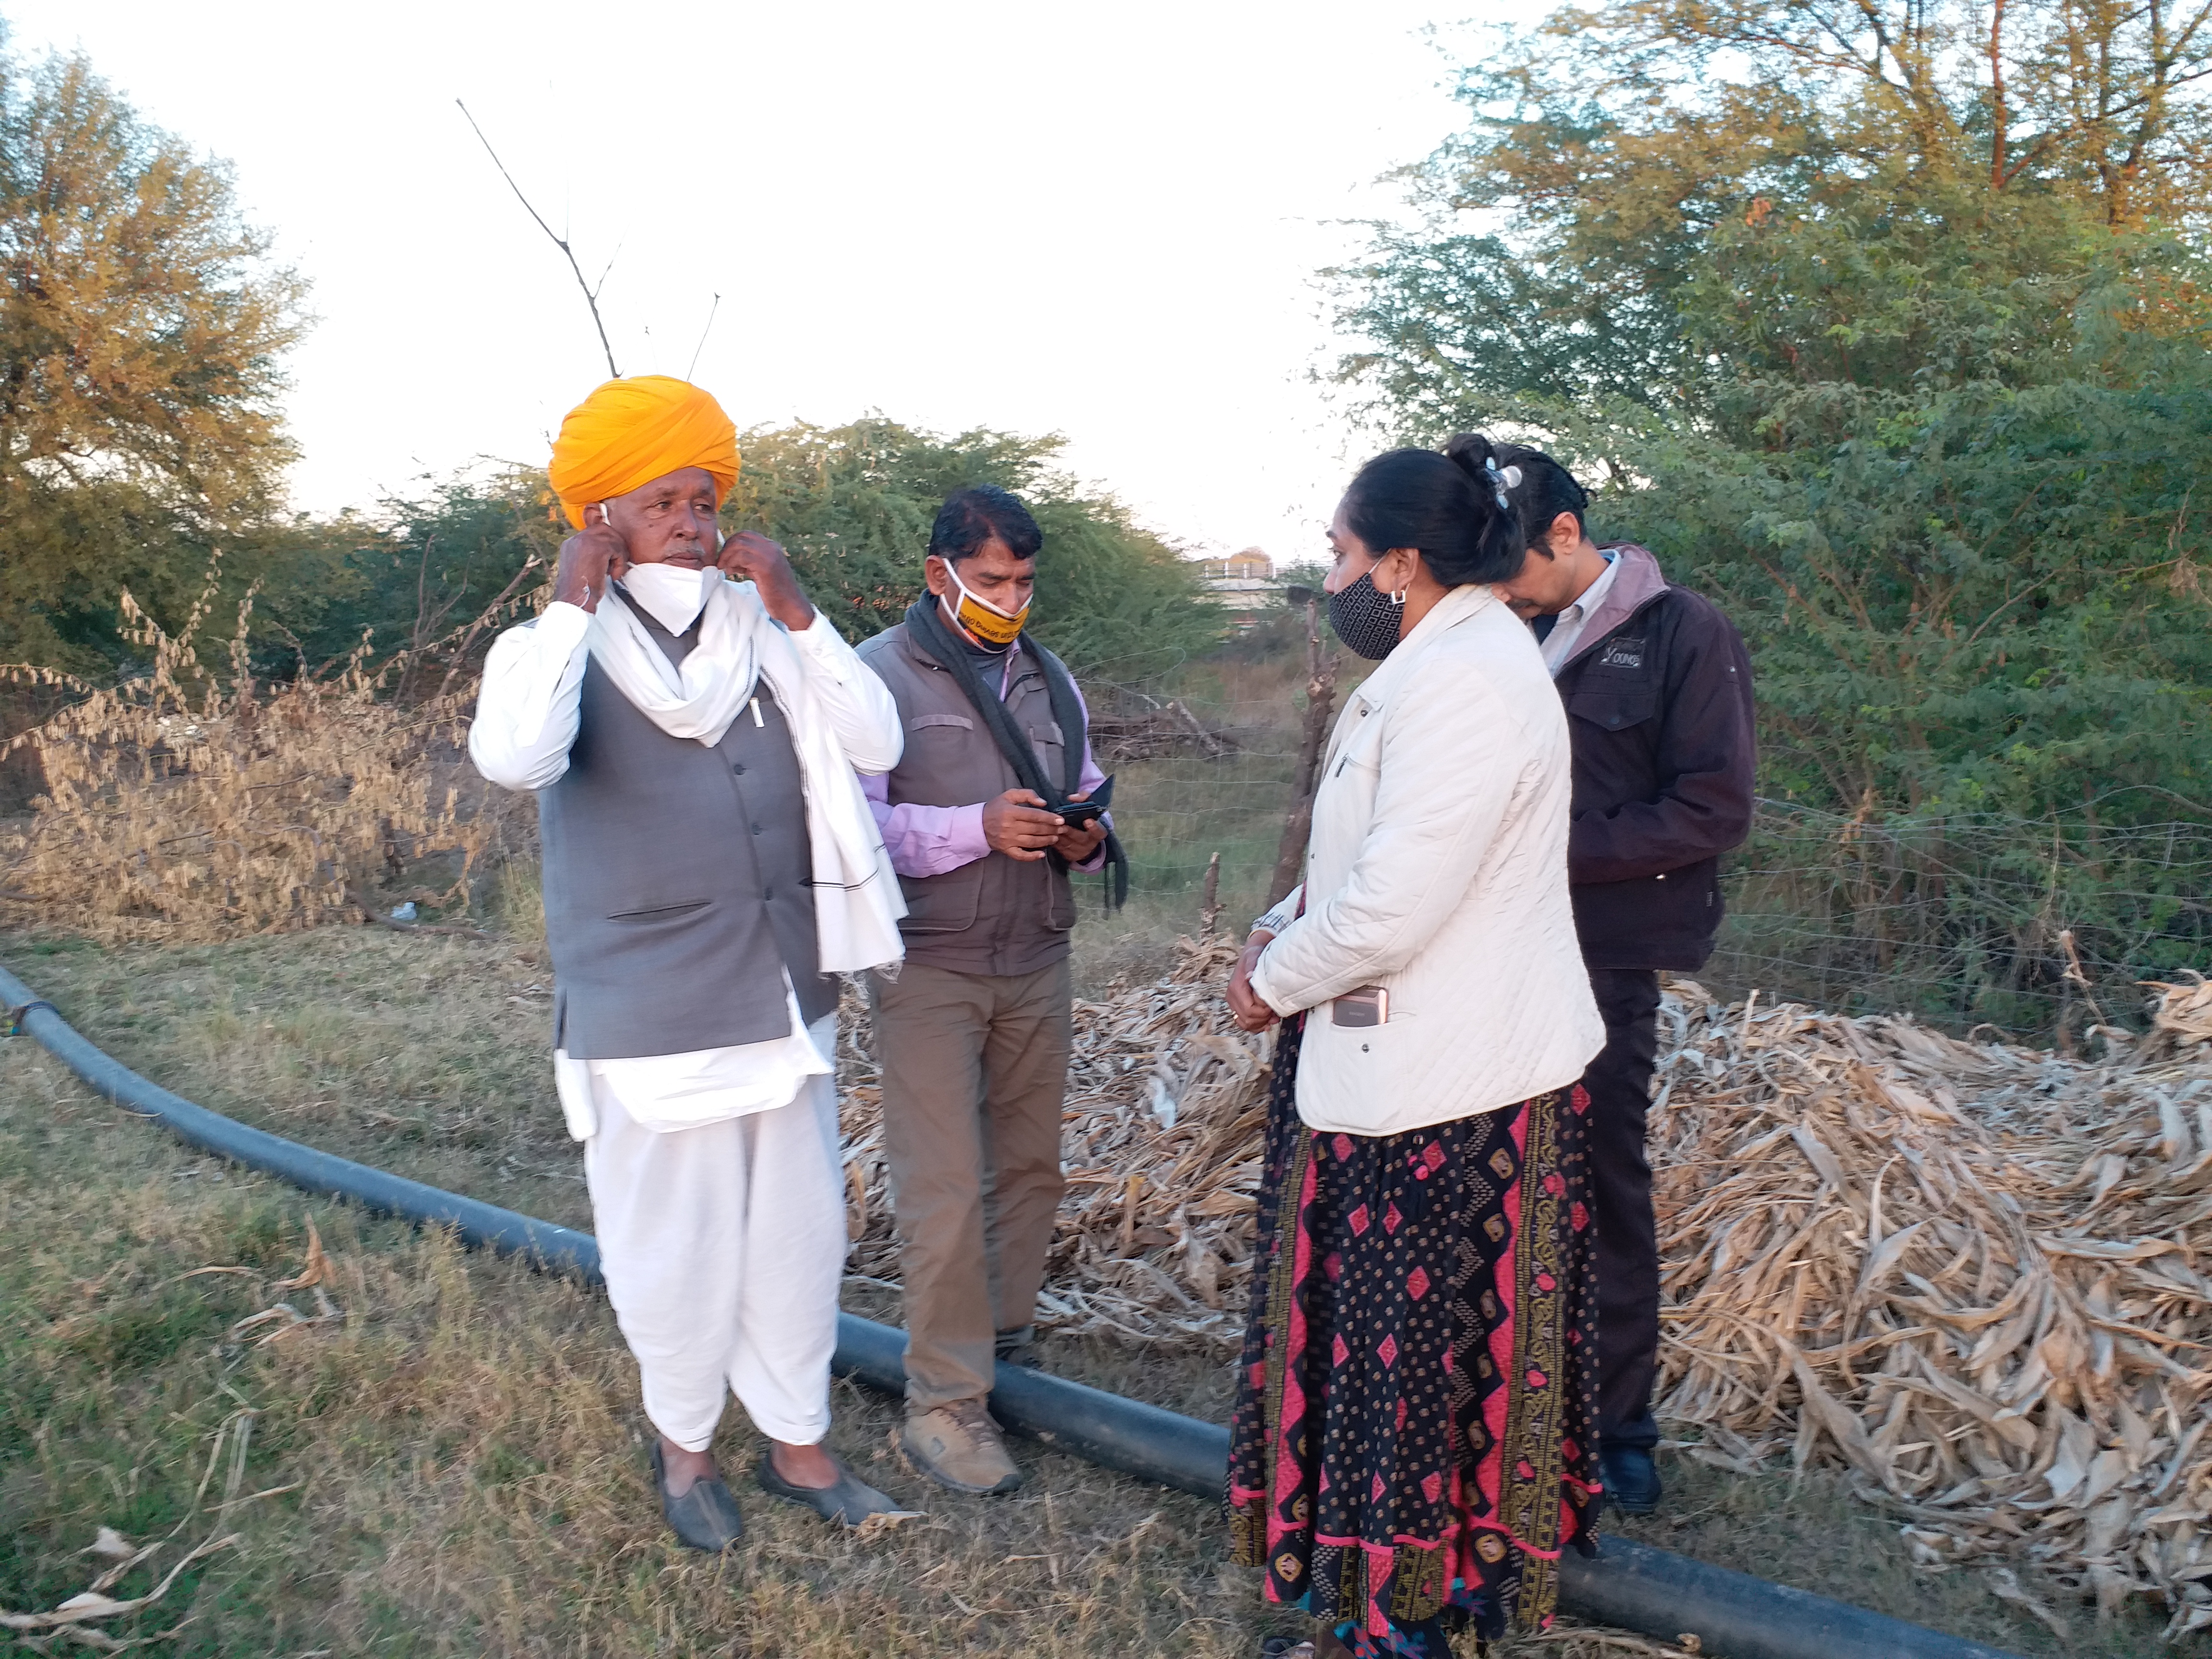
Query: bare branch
{"points": [[591, 298], [703, 333], [484, 620]]}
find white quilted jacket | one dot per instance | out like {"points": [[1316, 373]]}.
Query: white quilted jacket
{"points": [[1437, 868]]}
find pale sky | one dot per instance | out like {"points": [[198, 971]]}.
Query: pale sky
{"points": [[1103, 221]]}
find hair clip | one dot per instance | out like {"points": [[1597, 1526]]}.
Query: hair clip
{"points": [[1499, 480], [1512, 476]]}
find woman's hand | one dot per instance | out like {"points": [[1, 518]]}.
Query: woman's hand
{"points": [[1245, 1005]]}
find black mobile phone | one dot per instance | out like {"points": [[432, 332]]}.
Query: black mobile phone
{"points": [[1076, 813]]}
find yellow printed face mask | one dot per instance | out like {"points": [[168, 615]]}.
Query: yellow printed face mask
{"points": [[983, 620]]}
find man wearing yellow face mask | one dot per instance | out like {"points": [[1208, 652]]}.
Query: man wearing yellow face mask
{"points": [[990, 808]]}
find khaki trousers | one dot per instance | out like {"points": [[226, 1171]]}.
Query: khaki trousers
{"points": [[975, 1067]]}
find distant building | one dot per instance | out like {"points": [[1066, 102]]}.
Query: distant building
{"points": [[1243, 583]]}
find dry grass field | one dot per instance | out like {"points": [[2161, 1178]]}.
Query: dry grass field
{"points": [[451, 1460]]}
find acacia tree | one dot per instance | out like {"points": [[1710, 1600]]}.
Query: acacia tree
{"points": [[1884, 323], [1632, 174], [854, 503], [142, 332]]}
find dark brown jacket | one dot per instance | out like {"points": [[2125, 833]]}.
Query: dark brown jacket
{"points": [[1659, 712]]}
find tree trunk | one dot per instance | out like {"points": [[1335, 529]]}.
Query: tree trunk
{"points": [[1320, 703]]}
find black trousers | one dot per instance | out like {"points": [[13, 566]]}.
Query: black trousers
{"points": [[1620, 1084]]}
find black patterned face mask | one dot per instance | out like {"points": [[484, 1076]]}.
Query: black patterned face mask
{"points": [[1366, 618]]}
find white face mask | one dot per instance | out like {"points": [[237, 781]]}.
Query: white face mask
{"points": [[672, 595]]}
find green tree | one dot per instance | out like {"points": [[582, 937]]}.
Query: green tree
{"points": [[1930, 426], [416, 572], [1886, 326], [142, 330], [854, 505], [1639, 182]]}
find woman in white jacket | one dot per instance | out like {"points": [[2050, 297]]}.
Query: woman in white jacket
{"points": [[1412, 1443]]}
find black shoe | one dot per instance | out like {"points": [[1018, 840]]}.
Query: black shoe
{"points": [[1020, 1348], [1631, 1478], [848, 1502], [706, 1517]]}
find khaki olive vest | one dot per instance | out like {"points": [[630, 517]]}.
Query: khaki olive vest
{"points": [[996, 915], [676, 879]]}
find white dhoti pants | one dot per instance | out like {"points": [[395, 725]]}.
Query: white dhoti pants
{"points": [[723, 1247]]}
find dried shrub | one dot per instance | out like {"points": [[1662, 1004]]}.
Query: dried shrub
{"points": [[192, 803]]}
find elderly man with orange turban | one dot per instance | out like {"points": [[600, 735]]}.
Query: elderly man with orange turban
{"points": [[692, 729]]}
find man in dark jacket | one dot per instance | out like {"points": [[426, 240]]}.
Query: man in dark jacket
{"points": [[1657, 689]]}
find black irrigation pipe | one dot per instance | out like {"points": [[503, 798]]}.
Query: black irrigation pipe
{"points": [[1630, 1585]]}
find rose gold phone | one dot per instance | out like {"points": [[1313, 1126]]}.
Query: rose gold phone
{"points": [[1367, 1006]]}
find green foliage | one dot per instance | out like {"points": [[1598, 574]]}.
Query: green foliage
{"points": [[1654, 197], [141, 327], [416, 572], [1984, 599], [1897, 362], [854, 504]]}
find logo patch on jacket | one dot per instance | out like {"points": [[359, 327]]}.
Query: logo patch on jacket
{"points": [[1621, 653]]}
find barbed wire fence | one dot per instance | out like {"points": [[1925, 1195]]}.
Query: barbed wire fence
{"points": [[2035, 928]]}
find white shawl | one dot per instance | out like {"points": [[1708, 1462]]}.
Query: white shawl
{"points": [[857, 903]]}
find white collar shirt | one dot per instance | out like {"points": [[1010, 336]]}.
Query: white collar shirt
{"points": [[1559, 644]]}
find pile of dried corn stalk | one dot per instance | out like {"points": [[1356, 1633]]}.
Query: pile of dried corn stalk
{"points": [[1976, 1273], [1166, 1098], [1980, 1276]]}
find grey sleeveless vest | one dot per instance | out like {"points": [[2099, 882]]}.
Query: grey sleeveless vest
{"points": [[997, 916], [676, 879]]}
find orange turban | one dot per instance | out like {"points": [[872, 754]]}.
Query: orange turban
{"points": [[632, 431]]}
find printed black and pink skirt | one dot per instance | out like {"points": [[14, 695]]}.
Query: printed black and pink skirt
{"points": [[1414, 1440]]}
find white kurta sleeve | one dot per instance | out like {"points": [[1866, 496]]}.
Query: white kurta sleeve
{"points": [[858, 705], [528, 708]]}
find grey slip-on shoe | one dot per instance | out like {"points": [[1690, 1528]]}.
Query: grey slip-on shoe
{"points": [[848, 1502], [705, 1517]]}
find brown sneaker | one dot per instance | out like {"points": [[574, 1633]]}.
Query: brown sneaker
{"points": [[958, 1446]]}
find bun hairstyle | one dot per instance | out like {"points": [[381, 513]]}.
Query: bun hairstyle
{"points": [[1450, 507], [1544, 491]]}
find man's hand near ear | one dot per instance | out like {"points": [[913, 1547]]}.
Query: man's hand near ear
{"points": [[594, 556]]}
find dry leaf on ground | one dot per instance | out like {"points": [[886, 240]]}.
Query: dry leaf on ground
{"points": [[93, 1605]]}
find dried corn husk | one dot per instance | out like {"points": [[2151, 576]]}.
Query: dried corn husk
{"points": [[1161, 1145], [1977, 1277], [1971, 1273]]}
